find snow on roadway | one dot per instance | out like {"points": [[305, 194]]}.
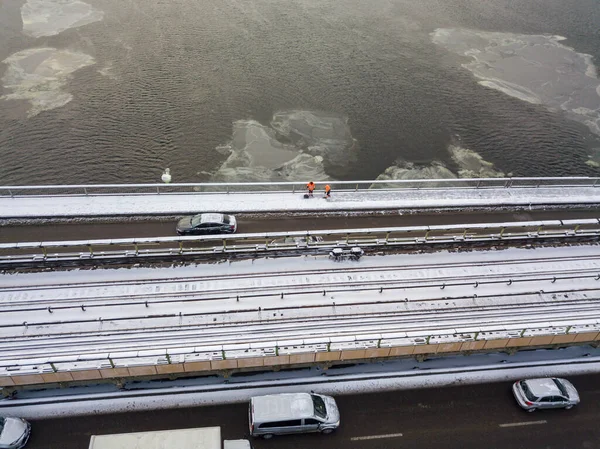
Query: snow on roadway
{"points": [[172, 204]]}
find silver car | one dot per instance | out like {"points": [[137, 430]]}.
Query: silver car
{"points": [[279, 414], [14, 432], [548, 392]]}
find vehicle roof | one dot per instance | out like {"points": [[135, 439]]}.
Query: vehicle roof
{"points": [[211, 218], [543, 387], [282, 407], [198, 438]]}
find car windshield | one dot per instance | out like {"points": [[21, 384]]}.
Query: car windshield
{"points": [[226, 219], [320, 409], [196, 220], [528, 394], [561, 387], [1, 424]]}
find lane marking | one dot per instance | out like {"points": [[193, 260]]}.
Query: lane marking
{"points": [[524, 423], [376, 437]]}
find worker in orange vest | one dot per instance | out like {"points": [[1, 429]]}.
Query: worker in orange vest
{"points": [[311, 188], [327, 191]]}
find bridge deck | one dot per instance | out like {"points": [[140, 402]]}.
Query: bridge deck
{"points": [[380, 297]]}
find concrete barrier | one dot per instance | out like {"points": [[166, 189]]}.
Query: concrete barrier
{"points": [[117, 367]]}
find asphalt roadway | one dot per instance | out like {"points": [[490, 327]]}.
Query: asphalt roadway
{"points": [[162, 227], [466, 417]]}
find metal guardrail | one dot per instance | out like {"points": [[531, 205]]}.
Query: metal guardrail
{"points": [[278, 187], [141, 248]]}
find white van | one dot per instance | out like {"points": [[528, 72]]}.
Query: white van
{"points": [[280, 414]]}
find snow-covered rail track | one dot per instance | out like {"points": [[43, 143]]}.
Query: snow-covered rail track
{"points": [[295, 282], [75, 314]]}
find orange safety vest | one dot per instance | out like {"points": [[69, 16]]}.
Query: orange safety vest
{"points": [[327, 188], [310, 186]]}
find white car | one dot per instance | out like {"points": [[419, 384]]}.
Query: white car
{"points": [[14, 432], [548, 392]]}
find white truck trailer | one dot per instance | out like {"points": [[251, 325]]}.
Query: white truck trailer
{"points": [[197, 438]]}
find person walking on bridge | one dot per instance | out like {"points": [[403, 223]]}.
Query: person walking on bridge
{"points": [[311, 188], [327, 191]]}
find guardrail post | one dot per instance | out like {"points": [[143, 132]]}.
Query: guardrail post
{"points": [[595, 182], [111, 362], [356, 190], [576, 228], [137, 250], [158, 190], [180, 247], [10, 193], [85, 191], [224, 244], [427, 234], [502, 232], [45, 252], [387, 237], [347, 238], [91, 250], [478, 184], [294, 188]]}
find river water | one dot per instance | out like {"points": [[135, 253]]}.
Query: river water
{"points": [[107, 91]]}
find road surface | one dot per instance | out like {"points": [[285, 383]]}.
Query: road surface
{"points": [[166, 227], [465, 417]]}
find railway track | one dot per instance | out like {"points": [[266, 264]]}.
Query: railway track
{"points": [[426, 293], [201, 288]]}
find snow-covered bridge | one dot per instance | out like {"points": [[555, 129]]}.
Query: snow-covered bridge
{"points": [[273, 313]]}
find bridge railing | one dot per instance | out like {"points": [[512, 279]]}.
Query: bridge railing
{"points": [[252, 243], [279, 187]]}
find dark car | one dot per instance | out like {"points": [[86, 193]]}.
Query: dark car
{"points": [[203, 224]]}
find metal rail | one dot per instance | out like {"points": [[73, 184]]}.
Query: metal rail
{"points": [[278, 187], [294, 241]]}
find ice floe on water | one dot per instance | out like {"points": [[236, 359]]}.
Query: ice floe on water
{"points": [[297, 146], [255, 155], [39, 76], [533, 68], [50, 17], [472, 165], [319, 134], [469, 165]]}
